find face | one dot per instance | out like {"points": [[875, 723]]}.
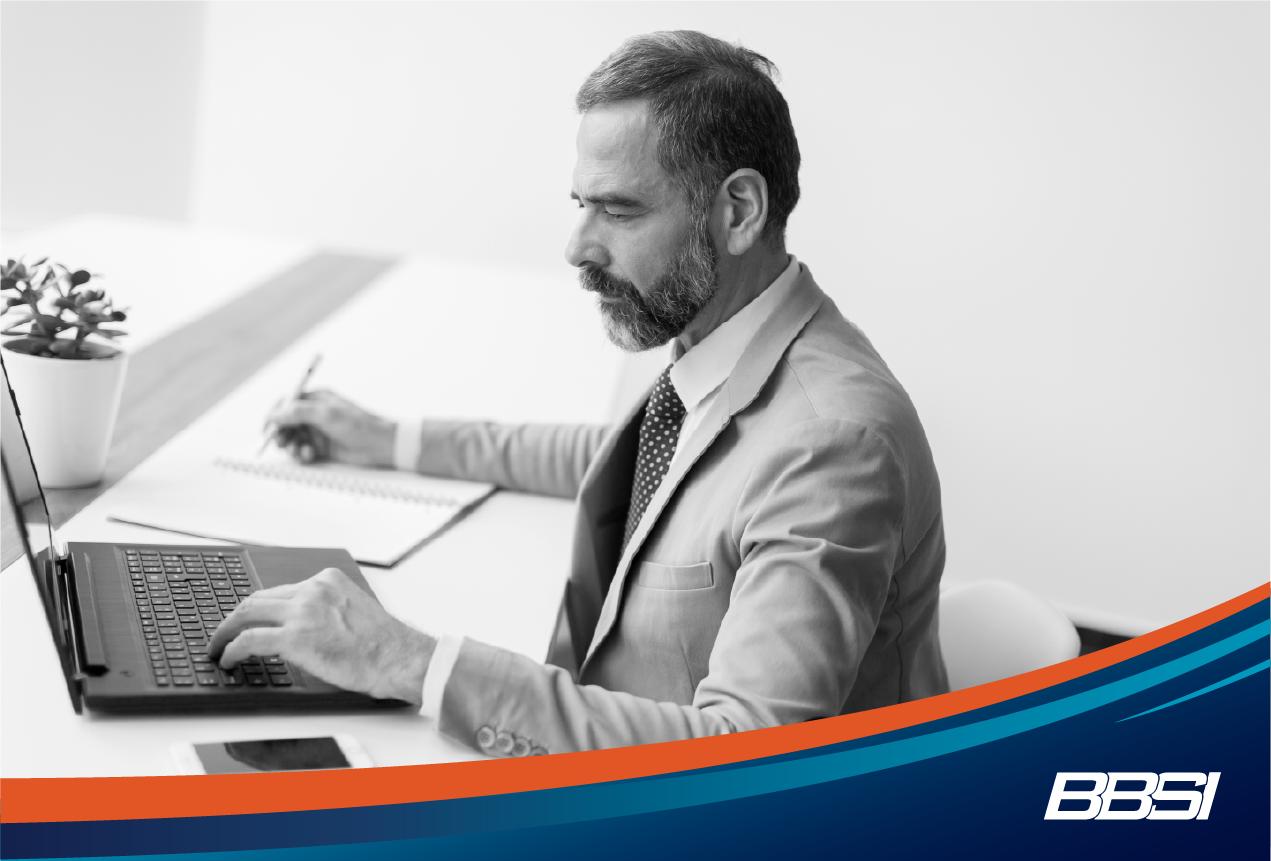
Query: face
{"points": [[637, 245]]}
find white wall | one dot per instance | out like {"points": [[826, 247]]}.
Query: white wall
{"points": [[1052, 219], [97, 109]]}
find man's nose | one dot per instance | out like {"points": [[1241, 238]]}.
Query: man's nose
{"points": [[584, 247]]}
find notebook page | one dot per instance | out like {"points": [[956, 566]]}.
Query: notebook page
{"points": [[300, 510]]}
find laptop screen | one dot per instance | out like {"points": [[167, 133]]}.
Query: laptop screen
{"points": [[27, 530], [25, 488]]}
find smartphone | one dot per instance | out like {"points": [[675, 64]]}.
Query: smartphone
{"points": [[273, 754]]}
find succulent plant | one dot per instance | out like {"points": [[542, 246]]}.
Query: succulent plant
{"points": [[57, 309]]}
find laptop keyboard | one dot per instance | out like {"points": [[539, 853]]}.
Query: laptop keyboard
{"points": [[181, 597]]}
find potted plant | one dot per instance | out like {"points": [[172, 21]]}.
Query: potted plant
{"points": [[67, 377]]}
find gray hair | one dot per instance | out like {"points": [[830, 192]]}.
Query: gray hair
{"points": [[717, 110]]}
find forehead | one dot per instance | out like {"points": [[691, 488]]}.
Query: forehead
{"points": [[617, 153]]}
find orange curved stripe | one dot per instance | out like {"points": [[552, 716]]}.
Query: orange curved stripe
{"points": [[105, 798]]}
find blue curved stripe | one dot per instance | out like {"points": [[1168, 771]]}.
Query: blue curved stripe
{"points": [[1208, 688], [629, 798], [626, 798], [707, 788]]}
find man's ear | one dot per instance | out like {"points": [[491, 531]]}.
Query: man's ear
{"points": [[742, 202]]}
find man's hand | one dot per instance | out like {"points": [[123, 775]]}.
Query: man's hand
{"points": [[329, 627], [321, 425]]}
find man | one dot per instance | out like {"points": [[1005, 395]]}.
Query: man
{"points": [[759, 541]]}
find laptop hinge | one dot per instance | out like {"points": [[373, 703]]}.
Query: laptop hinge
{"points": [[63, 573]]}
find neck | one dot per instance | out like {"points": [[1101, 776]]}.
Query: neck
{"points": [[739, 284]]}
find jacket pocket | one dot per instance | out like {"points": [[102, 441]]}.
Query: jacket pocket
{"points": [[651, 575]]}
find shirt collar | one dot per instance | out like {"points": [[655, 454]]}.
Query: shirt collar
{"points": [[705, 367]]}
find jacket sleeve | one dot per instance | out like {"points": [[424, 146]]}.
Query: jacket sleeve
{"points": [[818, 536], [545, 459]]}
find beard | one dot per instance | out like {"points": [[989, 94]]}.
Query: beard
{"points": [[636, 322]]}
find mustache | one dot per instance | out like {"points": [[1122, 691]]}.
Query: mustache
{"points": [[595, 280]]}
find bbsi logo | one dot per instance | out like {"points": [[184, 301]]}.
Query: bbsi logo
{"points": [[1139, 803]]}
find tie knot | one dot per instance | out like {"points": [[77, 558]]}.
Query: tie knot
{"points": [[664, 402]]}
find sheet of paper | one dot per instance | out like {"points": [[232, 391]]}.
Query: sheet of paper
{"points": [[379, 516]]}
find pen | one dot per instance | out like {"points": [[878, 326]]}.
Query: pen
{"points": [[300, 390]]}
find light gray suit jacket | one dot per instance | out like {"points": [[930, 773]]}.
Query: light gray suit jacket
{"points": [[787, 568]]}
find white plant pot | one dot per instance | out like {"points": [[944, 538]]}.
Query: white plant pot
{"points": [[68, 409]]}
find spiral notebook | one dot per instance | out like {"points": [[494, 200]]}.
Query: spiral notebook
{"points": [[377, 515]]}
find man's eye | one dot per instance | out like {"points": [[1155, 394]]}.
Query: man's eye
{"points": [[617, 216]]}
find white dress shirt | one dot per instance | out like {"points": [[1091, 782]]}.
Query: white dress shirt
{"points": [[698, 375]]}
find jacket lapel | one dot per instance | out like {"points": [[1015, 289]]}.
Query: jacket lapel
{"points": [[747, 379], [603, 498]]}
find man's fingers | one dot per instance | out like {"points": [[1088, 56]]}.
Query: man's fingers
{"points": [[306, 411], [253, 641], [254, 612]]}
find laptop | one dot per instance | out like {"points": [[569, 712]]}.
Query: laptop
{"points": [[131, 622]]}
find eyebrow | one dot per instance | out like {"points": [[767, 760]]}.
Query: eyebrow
{"points": [[607, 200]]}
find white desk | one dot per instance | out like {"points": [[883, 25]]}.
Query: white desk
{"points": [[429, 337]]}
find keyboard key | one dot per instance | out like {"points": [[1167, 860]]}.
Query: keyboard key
{"points": [[206, 679], [178, 662], [198, 650], [275, 670], [203, 666], [282, 681], [272, 659], [231, 679], [161, 681], [184, 681], [170, 639], [256, 682], [182, 671]]}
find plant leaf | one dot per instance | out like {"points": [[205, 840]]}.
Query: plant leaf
{"points": [[80, 276]]}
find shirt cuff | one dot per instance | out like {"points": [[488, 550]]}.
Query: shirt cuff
{"points": [[439, 670], [407, 442]]}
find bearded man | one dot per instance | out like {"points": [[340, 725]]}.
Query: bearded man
{"points": [[759, 541]]}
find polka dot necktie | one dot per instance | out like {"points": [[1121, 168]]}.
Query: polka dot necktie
{"points": [[659, 432]]}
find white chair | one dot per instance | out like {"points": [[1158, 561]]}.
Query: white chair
{"points": [[991, 630]]}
